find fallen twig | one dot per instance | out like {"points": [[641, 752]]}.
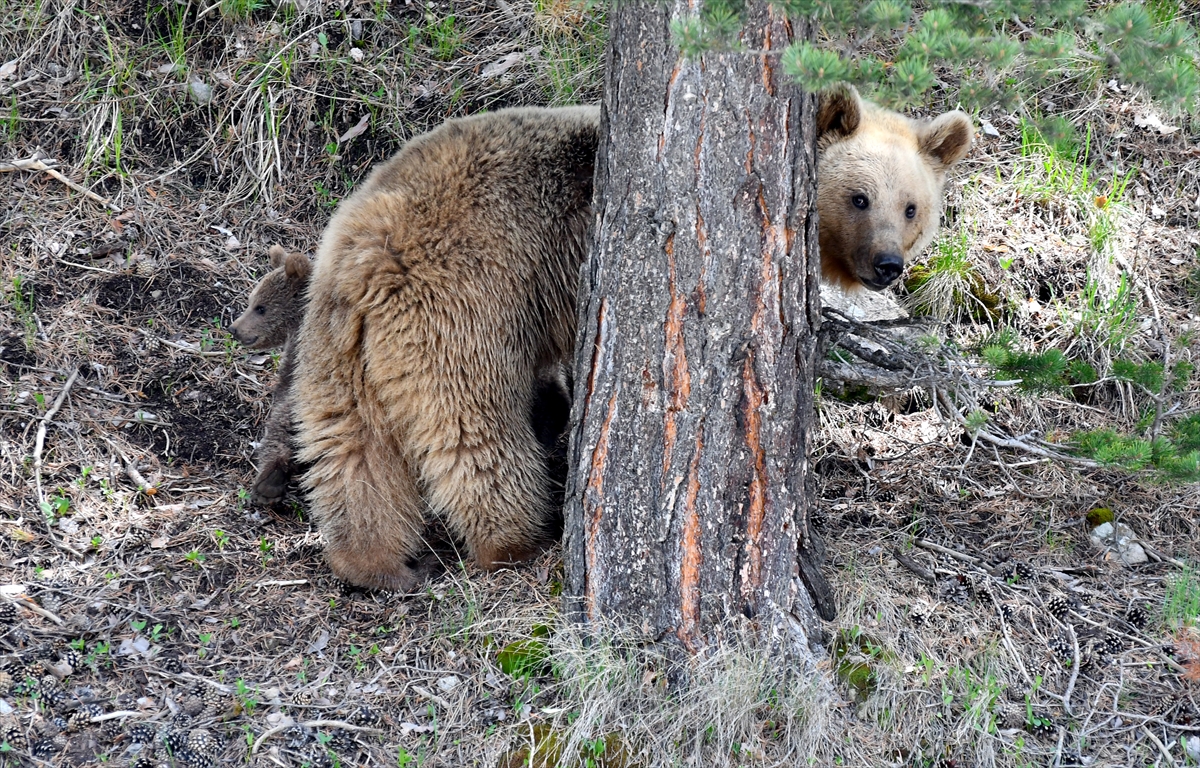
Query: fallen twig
{"points": [[431, 696], [40, 441], [25, 602], [39, 444], [912, 565], [1161, 747], [311, 724], [37, 164], [923, 544]]}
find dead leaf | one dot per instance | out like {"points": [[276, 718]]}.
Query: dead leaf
{"points": [[500, 66], [357, 130], [1152, 122]]}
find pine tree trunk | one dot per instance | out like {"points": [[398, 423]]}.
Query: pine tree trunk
{"points": [[686, 501]]}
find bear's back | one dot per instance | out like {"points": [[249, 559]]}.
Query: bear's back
{"points": [[492, 195]]}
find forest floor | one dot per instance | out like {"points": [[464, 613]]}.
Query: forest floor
{"points": [[149, 613]]}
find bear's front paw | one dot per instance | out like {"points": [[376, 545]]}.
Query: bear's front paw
{"points": [[271, 483]]}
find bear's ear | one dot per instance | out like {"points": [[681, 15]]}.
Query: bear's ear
{"points": [[297, 266], [276, 256], [947, 139], [840, 112]]}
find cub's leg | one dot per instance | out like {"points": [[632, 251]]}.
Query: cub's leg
{"points": [[274, 454]]}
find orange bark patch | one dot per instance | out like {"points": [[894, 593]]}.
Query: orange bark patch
{"points": [[593, 502], [675, 366], [692, 559], [758, 483]]}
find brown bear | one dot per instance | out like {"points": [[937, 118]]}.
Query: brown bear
{"points": [[442, 295], [271, 319], [879, 186]]}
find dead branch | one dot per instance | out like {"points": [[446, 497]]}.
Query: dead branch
{"points": [[40, 441], [38, 164], [311, 724], [885, 361]]}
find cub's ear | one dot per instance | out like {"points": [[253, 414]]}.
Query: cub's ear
{"points": [[947, 139], [276, 256], [297, 266], [840, 112]]}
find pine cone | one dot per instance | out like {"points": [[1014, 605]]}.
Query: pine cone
{"points": [[1061, 647], [1057, 607], [1113, 643], [1137, 616], [141, 733]]}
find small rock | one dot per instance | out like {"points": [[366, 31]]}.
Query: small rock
{"points": [[447, 683], [1118, 541], [356, 54]]}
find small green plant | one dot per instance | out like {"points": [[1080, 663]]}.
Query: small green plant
{"points": [[54, 507], [1181, 604], [356, 657], [240, 10], [222, 539], [948, 285], [1107, 318], [326, 198], [444, 38], [195, 557], [246, 696], [1046, 371], [266, 548], [20, 298], [1172, 458], [12, 120]]}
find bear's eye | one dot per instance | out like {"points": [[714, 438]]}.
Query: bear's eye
{"points": [[910, 211], [260, 310], [860, 202]]}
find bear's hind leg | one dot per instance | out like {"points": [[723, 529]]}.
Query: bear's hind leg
{"points": [[364, 497], [488, 476]]}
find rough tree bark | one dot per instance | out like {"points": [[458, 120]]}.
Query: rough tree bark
{"points": [[686, 503]]}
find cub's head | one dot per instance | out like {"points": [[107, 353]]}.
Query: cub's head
{"points": [[276, 303], [879, 185]]}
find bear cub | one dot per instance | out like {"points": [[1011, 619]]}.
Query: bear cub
{"points": [[270, 321], [879, 186]]}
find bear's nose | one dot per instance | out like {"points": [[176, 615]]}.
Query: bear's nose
{"points": [[888, 267]]}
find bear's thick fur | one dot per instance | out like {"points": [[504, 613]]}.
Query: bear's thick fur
{"points": [[271, 320], [443, 294], [879, 186]]}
